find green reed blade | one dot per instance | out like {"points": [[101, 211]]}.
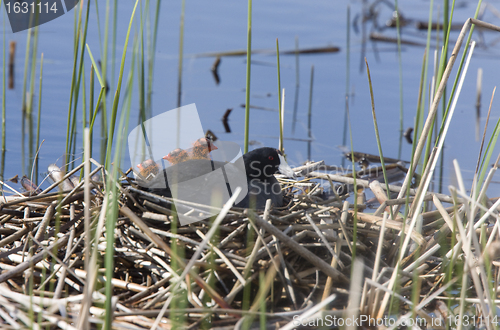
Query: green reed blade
{"points": [[459, 70], [140, 64], [96, 110], [279, 97], [91, 106], [96, 68], [247, 91], [114, 109], [297, 85], [76, 42], [422, 91], [113, 43], [377, 135], [75, 83], [29, 107], [400, 67], [25, 75], [4, 106], [151, 58], [98, 23], [104, 70], [353, 164], [309, 114], [347, 77], [181, 55], [84, 110], [113, 179], [488, 153], [39, 117]]}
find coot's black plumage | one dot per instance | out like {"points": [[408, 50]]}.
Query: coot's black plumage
{"points": [[260, 166]]}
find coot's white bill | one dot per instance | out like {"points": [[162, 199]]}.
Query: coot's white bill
{"points": [[284, 168]]}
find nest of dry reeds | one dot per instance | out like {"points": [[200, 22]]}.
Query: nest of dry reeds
{"points": [[281, 267]]}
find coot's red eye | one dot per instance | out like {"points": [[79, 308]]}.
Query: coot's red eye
{"points": [[270, 157]]}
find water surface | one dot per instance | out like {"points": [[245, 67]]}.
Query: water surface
{"points": [[219, 26]]}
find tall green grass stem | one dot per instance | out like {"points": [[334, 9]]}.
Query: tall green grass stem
{"points": [[181, 54], [116, 99], [91, 106], [39, 117], [459, 70], [400, 67], [25, 75], [113, 43], [75, 88], [4, 105], [279, 96], [347, 77], [377, 134], [247, 90], [309, 114], [101, 94], [297, 84], [33, 72], [151, 59], [113, 178], [76, 42], [104, 70], [353, 164]]}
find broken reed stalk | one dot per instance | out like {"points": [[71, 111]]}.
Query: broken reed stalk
{"points": [[12, 57], [25, 74]]}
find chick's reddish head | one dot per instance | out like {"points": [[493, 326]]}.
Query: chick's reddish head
{"points": [[201, 148], [177, 156], [148, 168]]}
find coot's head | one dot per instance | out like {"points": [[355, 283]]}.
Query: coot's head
{"points": [[262, 163]]}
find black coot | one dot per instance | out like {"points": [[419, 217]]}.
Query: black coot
{"points": [[260, 165]]}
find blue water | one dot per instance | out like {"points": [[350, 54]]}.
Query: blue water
{"points": [[218, 26]]}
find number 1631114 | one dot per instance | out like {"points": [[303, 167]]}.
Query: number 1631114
{"points": [[31, 8]]}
